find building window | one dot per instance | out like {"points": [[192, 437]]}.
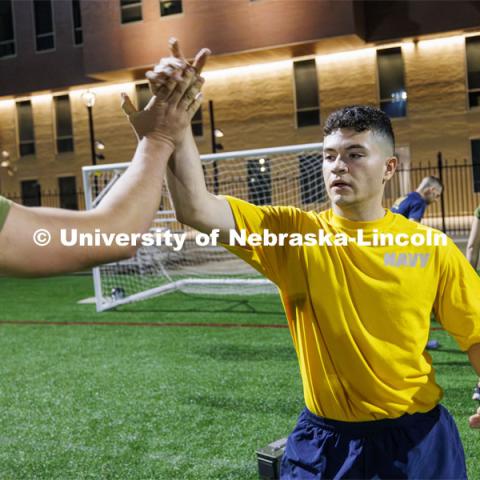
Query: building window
{"points": [[26, 135], [31, 193], [63, 123], [170, 7], [306, 93], [68, 193], [259, 181], [197, 123], [131, 10], [312, 187], [473, 67], [7, 37], [391, 78], [143, 95], [77, 23], [43, 13], [475, 146]]}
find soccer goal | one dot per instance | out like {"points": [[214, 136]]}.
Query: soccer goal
{"points": [[290, 175]]}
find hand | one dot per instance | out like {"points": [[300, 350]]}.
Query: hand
{"points": [[474, 420], [167, 117], [170, 69]]}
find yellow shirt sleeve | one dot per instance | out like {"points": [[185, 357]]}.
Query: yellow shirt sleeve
{"points": [[268, 260], [457, 304], [4, 209]]}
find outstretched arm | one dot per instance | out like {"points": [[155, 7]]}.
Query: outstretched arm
{"points": [[194, 204], [473, 245], [128, 208], [474, 357]]}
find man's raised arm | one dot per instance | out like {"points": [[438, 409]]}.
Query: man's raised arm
{"points": [[194, 204]]}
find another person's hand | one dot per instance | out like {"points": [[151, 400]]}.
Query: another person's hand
{"points": [[167, 117], [474, 420], [170, 69]]}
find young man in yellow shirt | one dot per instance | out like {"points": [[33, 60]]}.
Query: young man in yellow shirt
{"points": [[359, 315]]}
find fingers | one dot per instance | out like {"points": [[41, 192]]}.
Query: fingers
{"points": [[474, 421], [162, 87], [174, 47], [127, 106], [170, 67], [187, 81], [195, 105], [191, 93], [201, 59]]}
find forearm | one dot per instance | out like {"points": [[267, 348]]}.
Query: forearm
{"points": [[472, 254], [474, 357], [133, 201], [128, 208], [186, 181]]}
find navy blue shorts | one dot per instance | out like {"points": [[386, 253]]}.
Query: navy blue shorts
{"points": [[420, 446]]}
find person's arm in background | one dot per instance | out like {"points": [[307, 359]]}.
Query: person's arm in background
{"points": [[474, 357], [473, 244], [457, 306], [128, 208]]}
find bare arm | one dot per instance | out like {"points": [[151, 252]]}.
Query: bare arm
{"points": [[128, 208], [194, 204], [473, 245], [474, 357]]}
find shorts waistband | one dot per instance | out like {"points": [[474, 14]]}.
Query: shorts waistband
{"points": [[405, 420]]}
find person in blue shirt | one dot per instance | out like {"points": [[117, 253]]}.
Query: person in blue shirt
{"points": [[413, 205]]}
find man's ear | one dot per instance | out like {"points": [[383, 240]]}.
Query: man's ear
{"points": [[390, 167]]}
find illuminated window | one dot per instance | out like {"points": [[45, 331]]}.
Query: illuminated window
{"points": [[170, 7]]}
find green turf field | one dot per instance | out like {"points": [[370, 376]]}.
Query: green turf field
{"points": [[143, 402]]}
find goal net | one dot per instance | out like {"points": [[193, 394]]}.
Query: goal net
{"points": [[289, 175]]}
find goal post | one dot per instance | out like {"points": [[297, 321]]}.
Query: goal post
{"points": [[290, 175]]}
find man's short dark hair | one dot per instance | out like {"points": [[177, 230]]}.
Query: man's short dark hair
{"points": [[361, 118]]}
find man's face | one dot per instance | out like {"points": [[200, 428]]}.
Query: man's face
{"points": [[355, 165], [432, 194]]}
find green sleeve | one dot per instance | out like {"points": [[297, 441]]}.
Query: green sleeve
{"points": [[4, 209], [477, 212]]}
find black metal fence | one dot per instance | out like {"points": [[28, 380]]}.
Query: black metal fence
{"points": [[452, 213]]}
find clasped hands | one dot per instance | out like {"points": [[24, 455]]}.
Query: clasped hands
{"points": [[176, 87]]}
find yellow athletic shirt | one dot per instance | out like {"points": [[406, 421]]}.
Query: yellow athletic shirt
{"points": [[359, 316], [4, 209]]}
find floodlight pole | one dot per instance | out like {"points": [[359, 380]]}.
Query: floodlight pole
{"points": [[214, 146]]}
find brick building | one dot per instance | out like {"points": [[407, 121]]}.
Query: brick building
{"points": [[278, 68]]}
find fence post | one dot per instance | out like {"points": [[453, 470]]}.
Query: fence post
{"points": [[442, 200]]}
